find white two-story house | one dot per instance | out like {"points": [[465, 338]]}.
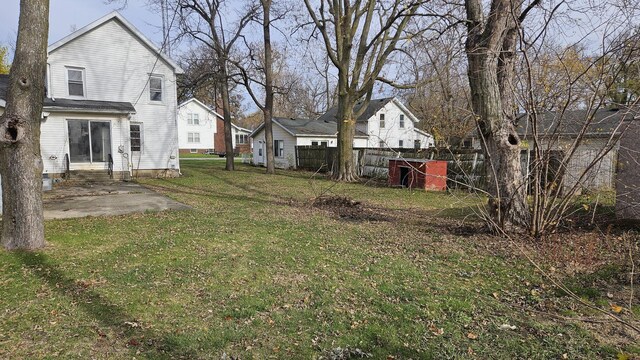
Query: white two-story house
{"points": [[384, 124], [111, 103], [197, 127]]}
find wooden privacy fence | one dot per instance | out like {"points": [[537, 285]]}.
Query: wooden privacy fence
{"points": [[316, 158], [466, 168]]}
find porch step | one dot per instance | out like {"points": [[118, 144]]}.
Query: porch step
{"points": [[91, 176]]}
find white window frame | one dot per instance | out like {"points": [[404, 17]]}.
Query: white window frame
{"points": [[193, 119], [84, 81], [242, 139], [278, 148], [193, 151], [161, 78], [141, 136], [193, 137], [401, 121], [382, 123]]}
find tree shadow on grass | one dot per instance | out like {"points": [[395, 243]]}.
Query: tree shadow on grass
{"points": [[150, 344]]}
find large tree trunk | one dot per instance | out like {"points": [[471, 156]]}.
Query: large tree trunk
{"points": [[346, 131], [20, 160], [228, 136], [268, 86], [490, 51]]}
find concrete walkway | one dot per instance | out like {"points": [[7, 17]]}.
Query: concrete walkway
{"points": [[117, 198]]}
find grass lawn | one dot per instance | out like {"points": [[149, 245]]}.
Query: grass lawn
{"points": [[198, 156], [256, 271]]}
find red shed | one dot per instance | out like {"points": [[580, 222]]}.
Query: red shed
{"points": [[418, 173]]}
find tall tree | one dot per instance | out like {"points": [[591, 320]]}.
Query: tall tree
{"points": [[266, 66], [204, 21], [20, 160], [359, 36], [491, 53]]}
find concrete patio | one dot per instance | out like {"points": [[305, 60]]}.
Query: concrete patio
{"points": [[104, 199]]}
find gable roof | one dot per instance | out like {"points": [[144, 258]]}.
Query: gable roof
{"points": [[115, 16], [374, 106], [604, 123], [203, 105], [209, 109], [72, 105], [305, 127]]}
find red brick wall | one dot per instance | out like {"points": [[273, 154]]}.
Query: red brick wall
{"points": [[218, 137]]}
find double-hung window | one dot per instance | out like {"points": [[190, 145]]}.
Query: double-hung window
{"points": [[242, 139], [416, 144], [75, 81], [135, 134], [381, 121], [193, 137], [400, 143], [193, 119], [155, 87], [278, 148], [402, 121]]}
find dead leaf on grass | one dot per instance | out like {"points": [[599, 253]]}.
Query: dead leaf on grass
{"points": [[615, 308], [472, 336], [436, 330]]}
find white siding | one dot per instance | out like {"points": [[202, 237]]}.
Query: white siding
{"points": [[392, 133], [206, 128], [117, 66], [235, 131], [54, 142], [285, 162]]}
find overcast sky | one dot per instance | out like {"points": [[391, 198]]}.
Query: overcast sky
{"points": [[65, 15]]}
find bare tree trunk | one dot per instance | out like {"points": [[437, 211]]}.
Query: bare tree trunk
{"points": [[20, 160], [346, 130], [228, 136], [490, 51], [268, 85]]}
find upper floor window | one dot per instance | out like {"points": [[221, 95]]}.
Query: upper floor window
{"points": [[193, 137], [155, 87], [75, 81], [193, 119], [381, 121], [402, 121], [242, 139]]}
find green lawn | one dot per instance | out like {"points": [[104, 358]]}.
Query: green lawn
{"points": [[197, 156], [256, 271]]}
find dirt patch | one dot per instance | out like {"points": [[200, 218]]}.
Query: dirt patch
{"points": [[348, 209]]}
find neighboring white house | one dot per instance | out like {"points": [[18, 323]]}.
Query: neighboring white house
{"points": [[289, 133], [385, 123], [111, 102], [197, 127], [388, 124]]}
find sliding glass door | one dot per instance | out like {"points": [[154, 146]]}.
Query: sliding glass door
{"points": [[89, 141]]}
